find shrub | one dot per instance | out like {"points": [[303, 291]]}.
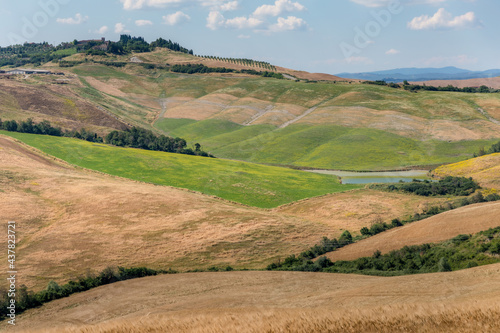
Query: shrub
{"points": [[443, 265]]}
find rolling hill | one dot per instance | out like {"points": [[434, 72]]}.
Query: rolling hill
{"points": [[464, 301], [166, 227], [465, 220], [485, 169], [325, 122]]}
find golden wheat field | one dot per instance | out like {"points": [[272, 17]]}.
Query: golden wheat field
{"points": [[463, 301]]}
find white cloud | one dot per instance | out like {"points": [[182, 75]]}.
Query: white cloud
{"points": [[290, 23], [102, 30], [444, 20], [223, 5], [139, 4], [244, 36], [279, 7], [216, 20], [78, 19], [141, 23], [243, 22], [228, 6], [392, 52], [120, 28], [384, 3], [176, 18]]}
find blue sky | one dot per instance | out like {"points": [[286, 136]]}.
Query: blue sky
{"points": [[329, 36]]}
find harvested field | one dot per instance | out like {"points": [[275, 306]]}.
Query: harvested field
{"points": [[466, 220], [464, 301]]}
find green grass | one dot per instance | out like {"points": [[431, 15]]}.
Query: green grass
{"points": [[247, 183], [333, 147]]}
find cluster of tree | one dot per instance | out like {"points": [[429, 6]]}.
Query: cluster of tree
{"points": [[495, 148], [145, 139], [199, 68], [128, 44], [40, 53], [416, 87], [26, 299], [243, 62], [45, 128], [168, 44], [456, 186], [326, 245], [463, 251]]}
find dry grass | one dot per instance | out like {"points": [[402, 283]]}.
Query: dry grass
{"points": [[464, 301], [484, 169], [59, 104], [466, 220], [96, 220]]}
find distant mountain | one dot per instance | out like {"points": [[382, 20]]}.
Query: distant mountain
{"points": [[421, 74]]}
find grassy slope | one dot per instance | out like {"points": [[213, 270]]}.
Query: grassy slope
{"points": [[320, 146], [485, 169], [247, 183]]}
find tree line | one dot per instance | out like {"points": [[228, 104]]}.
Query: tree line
{"points": [[134, 137], [416, 87], [26, 299], [463, 251]]}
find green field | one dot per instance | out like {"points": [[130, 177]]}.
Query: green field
{"points": [[319, 146], [247, 183]]}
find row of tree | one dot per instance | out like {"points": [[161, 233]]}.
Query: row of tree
{"points": [[243, 62], [145, 139], [134, 137]]}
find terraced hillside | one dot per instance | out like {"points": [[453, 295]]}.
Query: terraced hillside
{"points": [[464, 301]]}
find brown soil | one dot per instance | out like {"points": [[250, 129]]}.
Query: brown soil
{"points": [[56, 103], [466, 220], [464, 301]]}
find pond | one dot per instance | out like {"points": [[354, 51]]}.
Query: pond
{"points": [[349, 177]]}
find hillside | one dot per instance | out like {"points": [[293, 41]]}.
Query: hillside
{"points": [[484, 169], [329, 124], [465, 220], [167, 227], [464, 301]]}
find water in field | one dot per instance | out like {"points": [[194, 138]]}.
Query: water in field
{"points": [[375, 177]]}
